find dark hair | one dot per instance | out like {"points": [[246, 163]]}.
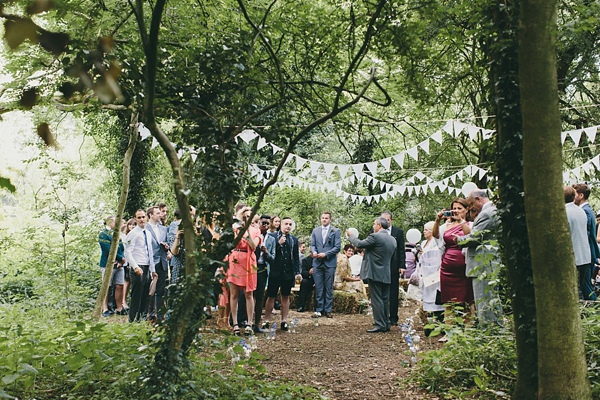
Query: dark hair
{"points": [[388, 212], [131, 221], [583, 189], [569, 194], [461, 201], [150, 211], [348, 246], [177, 214], [264, 216], [161, 205], [284, 218], [239, 207], [326, 212], [139, 210]]}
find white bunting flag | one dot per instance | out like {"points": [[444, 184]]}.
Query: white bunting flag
{"points": [[247, 135], [154, 143], [357, 169], [425, 145], [402, 189], [314, 167], [437, 137], [448, 128], [372, 166], [566, 176], [482, 173], [353, 197], [368, 178], [459, 174], [419, 175], [328, 169], [576, 172], [450, 189], [345, 195], [587, 167], [262, 142], [299, 162], [575, 135], [563, 136], [289, 158], [386, 163], [452, 178], [467, 170], [472, 131], [143, 131], [275, 148], [360, 199], [458, 127], [399, 158], [591, 133], [487, 133], [194, 156], [458, 191], [384, 195], [414, 153], [343, 168], [596, 161]]}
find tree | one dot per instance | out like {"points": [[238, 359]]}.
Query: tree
{"points": [[560, 341]]}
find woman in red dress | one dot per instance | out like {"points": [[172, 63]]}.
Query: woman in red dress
{"points": [[455, 286], [242, 271]]}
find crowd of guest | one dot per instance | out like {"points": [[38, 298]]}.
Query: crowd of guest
{"points": [[453, 265]]}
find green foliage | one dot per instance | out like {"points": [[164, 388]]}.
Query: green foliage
{"points": [[6, 184]]}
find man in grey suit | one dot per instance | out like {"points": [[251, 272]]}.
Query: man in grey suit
{"points": [[577, 219], [479, 262], [158, 240], [375, 270], [325, 244], [582, 193]]}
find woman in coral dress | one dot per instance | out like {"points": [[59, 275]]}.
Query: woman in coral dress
{"points": [[242, 271]]}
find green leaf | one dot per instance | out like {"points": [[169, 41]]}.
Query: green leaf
{"points": [[478, 382], [219, 356], [8, 379], [28, 368]]}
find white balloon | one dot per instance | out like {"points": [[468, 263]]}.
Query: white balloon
{"points": [[413, 235], [353, 231], [467, 188]]}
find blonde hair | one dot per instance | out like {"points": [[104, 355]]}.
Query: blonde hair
{"points": [[429, 226]]}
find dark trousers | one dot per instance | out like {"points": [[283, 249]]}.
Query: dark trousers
{"points": [[306, 288], [160, 292], [140, 285], [394, 296], [585, 281], [380, 297], [259, 293]]}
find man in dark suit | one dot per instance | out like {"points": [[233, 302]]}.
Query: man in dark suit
{"points": [[285, 269], [158, 240], [308, 283], [397, 265], [325, 244], [379, 250], [582, 193]]}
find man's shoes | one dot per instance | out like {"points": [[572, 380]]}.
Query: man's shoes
{"points": [[376, 330], [300, 309], [328, 314], [316, 314], [266, 325], [106, 313], [123, 312], [257, 329], [284, 326]]}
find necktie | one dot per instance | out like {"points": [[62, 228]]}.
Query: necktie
{"points": [[147, 249], [324, 234]]}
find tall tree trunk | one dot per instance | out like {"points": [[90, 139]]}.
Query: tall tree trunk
{"points": [[561, 358], [511, 205], [114, 244]]}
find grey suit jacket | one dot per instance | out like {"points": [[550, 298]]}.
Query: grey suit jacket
{"points": [[331, 248], [379, 249], [578, 221], [487, 220], [160, 253]]}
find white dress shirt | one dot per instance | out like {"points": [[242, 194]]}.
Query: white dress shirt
{"points": [[138, 249], [324, 232]]}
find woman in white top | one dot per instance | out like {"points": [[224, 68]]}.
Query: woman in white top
{"points": [[430, 259]]}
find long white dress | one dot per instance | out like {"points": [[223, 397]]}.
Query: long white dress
{"points": [[430, 262]]}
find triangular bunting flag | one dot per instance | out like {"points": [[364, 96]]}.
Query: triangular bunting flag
{"points": [[576, 172], [575, 135], [143, 131], [452, 178], [587, 167], [384, 195], [458, 127], [419, 175], [459, 174], [361, 198], [154, 143], [343, 168], [402, 189], [437, 137], [450, 189], [563, 136], [314, 167], [482, 173], [247, 135], [328, 169], [425, 145], [596, 161], [472, 131], [566, 176], [369, 178], [288, 159], [357, 169], [372, 166], [386, 163], [399, 158], [414, 153], [591, 133], [487, 133], [194, 156], [275, 148], [262, 142], [299, 162], [448, 128]]}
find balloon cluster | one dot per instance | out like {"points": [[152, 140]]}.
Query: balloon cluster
{"points": [[411, 338]]}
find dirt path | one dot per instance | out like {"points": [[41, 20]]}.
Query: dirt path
{"points": [[342, 360]]}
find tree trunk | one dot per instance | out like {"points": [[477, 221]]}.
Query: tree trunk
{"points": [[114, 245], [561, 358], [511, 205]]}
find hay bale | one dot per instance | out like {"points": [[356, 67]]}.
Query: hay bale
{"points": [[343, 302]]}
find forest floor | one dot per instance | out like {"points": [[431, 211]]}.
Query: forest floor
{"points": [[341, 360]]}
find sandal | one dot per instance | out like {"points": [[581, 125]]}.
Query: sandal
{"points": [[248, 331], [236, 330]]}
